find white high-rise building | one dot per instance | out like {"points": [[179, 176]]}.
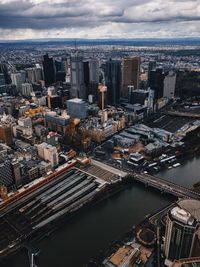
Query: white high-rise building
{"points": [[182, 239], [27, 89], [30, 75], [51, 155], [40, 149], [48, 153], [38, 74], [34, 75], [17, 80]]}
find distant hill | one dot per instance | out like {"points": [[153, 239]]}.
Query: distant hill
{"points": [[125, 42]]}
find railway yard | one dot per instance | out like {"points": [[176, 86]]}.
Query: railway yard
{"points": [[69, 192], [170, 123]]}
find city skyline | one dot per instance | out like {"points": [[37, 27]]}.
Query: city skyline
{"points": [[35, 19], [83, 123]]}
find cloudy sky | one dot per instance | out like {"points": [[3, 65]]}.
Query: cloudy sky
{"points": [[29, 19]]}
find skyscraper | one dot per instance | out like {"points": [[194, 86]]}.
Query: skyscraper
{"points": [[93, 90], [182, 238], [78, 89], [113, 81], [6, 175], [92, 79], [27, 89], [49, 70], [151, 66], [130, 74], [169, 85], [17, 80], [4, 70], [156, 82], [94, 70], [34, 75], [86, 73], [2, 83]]}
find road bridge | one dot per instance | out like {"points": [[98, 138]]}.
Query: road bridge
{"points": [[165, 186]]}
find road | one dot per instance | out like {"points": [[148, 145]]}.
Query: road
{"points": [[166, 186]]}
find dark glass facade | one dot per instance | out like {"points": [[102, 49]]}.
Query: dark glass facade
{"points": [[113, 81], [49, 70]]}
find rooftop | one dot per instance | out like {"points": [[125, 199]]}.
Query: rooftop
{"points": [[75, 100], [192, 206], [120, 256]]}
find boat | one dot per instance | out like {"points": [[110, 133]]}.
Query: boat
{"points": [[176, 165]]}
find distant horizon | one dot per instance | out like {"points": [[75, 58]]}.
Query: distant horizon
{"points": [[100, 39]]}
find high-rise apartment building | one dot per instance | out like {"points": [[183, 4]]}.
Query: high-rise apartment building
{"points": [[182, 239], [130, 74], [17, 80], [51, 155], [17, 173], [27, 89], [48, 153], [34, 75], [6, 175]]}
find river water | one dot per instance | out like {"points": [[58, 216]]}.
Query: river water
{"points": [[87, 233]]}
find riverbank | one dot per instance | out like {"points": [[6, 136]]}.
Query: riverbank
{"points": [[104, 222], [129, 237], [97, 226]]}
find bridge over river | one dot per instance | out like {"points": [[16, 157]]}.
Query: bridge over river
{"points": [[165, 186]]}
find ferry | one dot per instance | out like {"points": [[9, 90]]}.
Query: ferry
{"points": [[176, 165]]}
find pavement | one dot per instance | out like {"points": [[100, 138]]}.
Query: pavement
{"points": [[109, 168]]}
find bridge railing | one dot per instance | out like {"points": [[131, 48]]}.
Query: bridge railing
{"points": [[153, 179]]}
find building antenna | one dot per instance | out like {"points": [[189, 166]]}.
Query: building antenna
{"points": [[75, 47], [75, 44]]}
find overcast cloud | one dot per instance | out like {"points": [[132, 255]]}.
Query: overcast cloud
{"points": [[23, 19]]}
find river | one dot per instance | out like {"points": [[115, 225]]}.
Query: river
{"points": [[91, 230]]}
